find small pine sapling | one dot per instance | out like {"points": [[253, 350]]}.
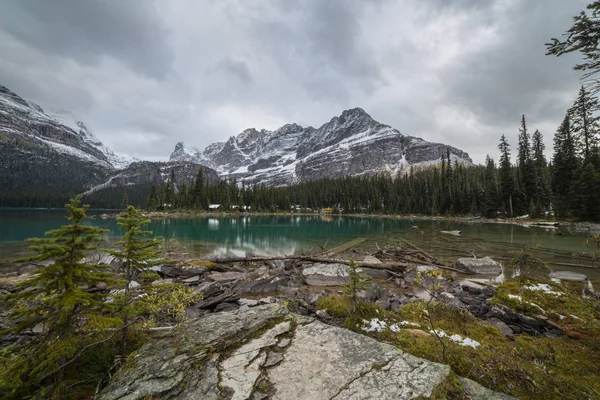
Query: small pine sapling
{"points": [[138, 254], [55, 302]]}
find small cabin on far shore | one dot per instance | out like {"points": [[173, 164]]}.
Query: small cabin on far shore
{"points": [[214, 206]]}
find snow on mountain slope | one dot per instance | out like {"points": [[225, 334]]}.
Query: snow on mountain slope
{"points": [[350, 144], [58, 131]]}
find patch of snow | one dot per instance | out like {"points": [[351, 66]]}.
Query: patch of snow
{"points": [[544, 287], [466, 342], [64, 149], [374, 325], [520, 299]]}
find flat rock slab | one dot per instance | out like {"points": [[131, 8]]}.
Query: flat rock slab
{"points": [[568, 276], [239, 355], [324, 362], [327, 275], [483, 265]]}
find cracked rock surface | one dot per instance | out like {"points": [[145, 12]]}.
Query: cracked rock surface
{"points": [[265, 352]]}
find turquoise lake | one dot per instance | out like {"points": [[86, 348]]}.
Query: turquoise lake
{"points": [[296, 234]]}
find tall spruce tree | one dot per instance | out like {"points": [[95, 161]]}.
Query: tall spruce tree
{"points": [[585, 124], [153, 201], [492, 196], [564, 169], [543, 189], [137, 253], [525, 168], [507, 181], [56, 300]]}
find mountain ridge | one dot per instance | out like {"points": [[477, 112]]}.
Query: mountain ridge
{"points": [[352, 143]]}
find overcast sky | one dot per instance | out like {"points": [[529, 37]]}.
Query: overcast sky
{"points": [[145, 74]]}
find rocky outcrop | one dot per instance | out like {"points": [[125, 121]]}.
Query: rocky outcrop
{"points": [[350, 144], [265, 351]]}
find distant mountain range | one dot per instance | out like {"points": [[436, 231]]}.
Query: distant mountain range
{"points": [[46, 156], [350, 144]]}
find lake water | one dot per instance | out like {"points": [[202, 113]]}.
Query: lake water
{"points": [[277, 235]]}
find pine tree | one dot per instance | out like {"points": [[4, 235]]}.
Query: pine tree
{"points": [[153, 201], [540, 165], [199, 197], [136, 253], [526, 169], [125, 201], [565, 167], [56, 300], [507, 182], [585, 124], [491, 188], [588, 194]]}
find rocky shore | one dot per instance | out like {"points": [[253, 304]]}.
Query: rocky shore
{"points": [[278, 329]]}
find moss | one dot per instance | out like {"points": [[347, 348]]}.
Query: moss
{"points": [[450, 388], [201, 263], [574, 314]]}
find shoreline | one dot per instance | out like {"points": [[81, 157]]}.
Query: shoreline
{"points": [[578, 226]]}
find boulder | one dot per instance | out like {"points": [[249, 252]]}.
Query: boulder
{"points": [[327, 275], [483, 265], [241, 354]]}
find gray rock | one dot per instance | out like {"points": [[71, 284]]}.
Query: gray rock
{"points": [[193, 279], [327, 275], [181, 271], [225, 276], [167, 366], [501, 326], [483, 265], [316, 361], [375, 273], [475, 391], [273, 359], [372, 260], [568, 276], [345, 365], [159, 282]]}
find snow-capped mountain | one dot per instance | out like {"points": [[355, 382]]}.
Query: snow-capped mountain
{"points": [[350, 144], [59, 132]]}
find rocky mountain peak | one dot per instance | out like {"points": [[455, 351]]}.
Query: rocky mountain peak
{"points": [[183, 153], [352, 143]]}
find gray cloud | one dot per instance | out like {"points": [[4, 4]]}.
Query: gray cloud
{"points": [[146, 74], [88, 30]]}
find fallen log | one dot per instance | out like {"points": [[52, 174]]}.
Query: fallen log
{"points": [[398, 266]]}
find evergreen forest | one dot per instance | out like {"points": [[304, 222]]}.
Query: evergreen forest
{"points": [[522, 182]]}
